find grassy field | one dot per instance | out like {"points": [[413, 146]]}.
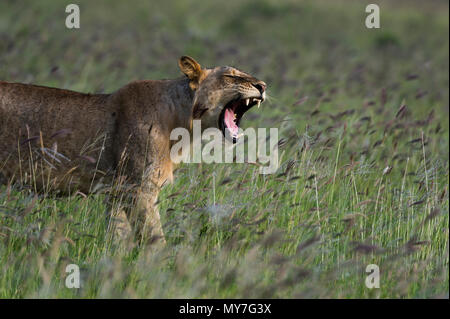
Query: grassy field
{"points": [[364, 162]]}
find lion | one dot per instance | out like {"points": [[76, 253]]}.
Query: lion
{"points": [[67, 141]]}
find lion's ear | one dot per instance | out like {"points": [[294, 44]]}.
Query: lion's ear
{"points": [[191, 69]]}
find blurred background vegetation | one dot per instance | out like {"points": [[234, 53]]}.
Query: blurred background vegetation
{"points": [[349, 102]]}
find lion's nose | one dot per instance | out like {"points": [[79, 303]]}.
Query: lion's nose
{"points": [[261, 87]]}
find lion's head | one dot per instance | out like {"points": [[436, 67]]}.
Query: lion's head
{"points": [[222, 94]]}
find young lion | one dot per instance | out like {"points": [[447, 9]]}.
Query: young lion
{"points": [[58, 139]]}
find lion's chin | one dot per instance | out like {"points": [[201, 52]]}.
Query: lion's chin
{"points": [[231, 116]]}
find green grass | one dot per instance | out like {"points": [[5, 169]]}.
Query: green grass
{"points": [[308, 231]]}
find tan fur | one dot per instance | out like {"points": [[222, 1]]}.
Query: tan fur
{"points": [[58, 139]]}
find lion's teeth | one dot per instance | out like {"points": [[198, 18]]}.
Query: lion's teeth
{"points": [[258, 103], [247, 101]]}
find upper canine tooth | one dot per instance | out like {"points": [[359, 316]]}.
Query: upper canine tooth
{"points": [[258, 103], [247, 101]]}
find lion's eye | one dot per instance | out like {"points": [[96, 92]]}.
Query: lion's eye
{"points": [[234, 77]]}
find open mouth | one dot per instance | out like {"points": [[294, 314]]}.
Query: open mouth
{"points": [[232, 113]]}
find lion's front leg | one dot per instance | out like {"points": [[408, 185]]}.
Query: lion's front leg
{"points": [[119, 226], [147, 220], [148, 168]]}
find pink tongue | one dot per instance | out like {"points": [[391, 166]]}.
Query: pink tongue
{"points": [[229, 122]]}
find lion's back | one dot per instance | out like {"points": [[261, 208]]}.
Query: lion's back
{"points": [[37, 116]]}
